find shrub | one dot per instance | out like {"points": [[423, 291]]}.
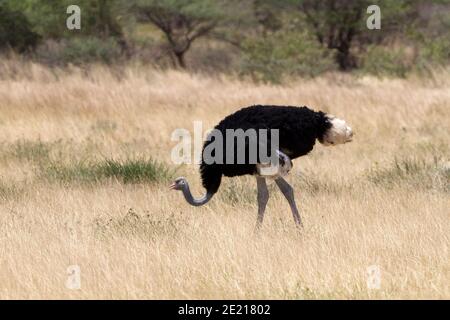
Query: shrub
{"points": [[434, 52], [15, 31], [285, 53], [79, 50], [384, 61]]}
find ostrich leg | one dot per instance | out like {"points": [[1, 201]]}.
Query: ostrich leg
{"points": [[263, 197], [288, 193]]}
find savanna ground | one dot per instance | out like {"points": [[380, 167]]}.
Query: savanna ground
{"points": [[85, 167]]}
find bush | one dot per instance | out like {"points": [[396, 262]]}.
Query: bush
{"points": [[434, 52], [285, 53], [384, 61], [15, 31], [79, 50]]}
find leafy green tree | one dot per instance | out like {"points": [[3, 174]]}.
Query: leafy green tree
{"points": [[15, 30], [99, 18], [42, 15]]}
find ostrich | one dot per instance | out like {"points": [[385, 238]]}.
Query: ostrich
{"points": [[298, 129]]}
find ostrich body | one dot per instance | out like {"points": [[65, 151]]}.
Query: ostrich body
{"points": [[298, 128]]}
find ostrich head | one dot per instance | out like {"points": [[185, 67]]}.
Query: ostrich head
{"points": [[182, 184], [179, 184], [338, 133]]}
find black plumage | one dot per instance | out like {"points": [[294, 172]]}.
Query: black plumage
{"points": [[299, 127]]}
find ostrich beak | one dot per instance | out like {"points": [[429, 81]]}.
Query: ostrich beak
{"points": [[172, 186]]}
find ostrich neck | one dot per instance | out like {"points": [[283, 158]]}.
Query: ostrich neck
{"points": [[193, 201]]}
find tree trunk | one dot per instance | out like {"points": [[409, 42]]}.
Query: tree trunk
{"points": [[180, 59], [345, 60]]}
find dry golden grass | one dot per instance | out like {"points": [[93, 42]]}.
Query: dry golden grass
{"points": [[381, 200]]}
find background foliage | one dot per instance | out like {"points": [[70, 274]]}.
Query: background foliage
{"points": [[264, 39]]}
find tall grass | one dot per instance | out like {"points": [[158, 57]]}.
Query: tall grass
{"points": [[415, 172]]}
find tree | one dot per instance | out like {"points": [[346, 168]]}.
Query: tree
{"points": [[336, 23], [99, 18], [15, 30], [182, 22], [105, 22], [341, 24]]}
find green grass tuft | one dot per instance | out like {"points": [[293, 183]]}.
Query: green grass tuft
{"points": [[126, 171]]}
